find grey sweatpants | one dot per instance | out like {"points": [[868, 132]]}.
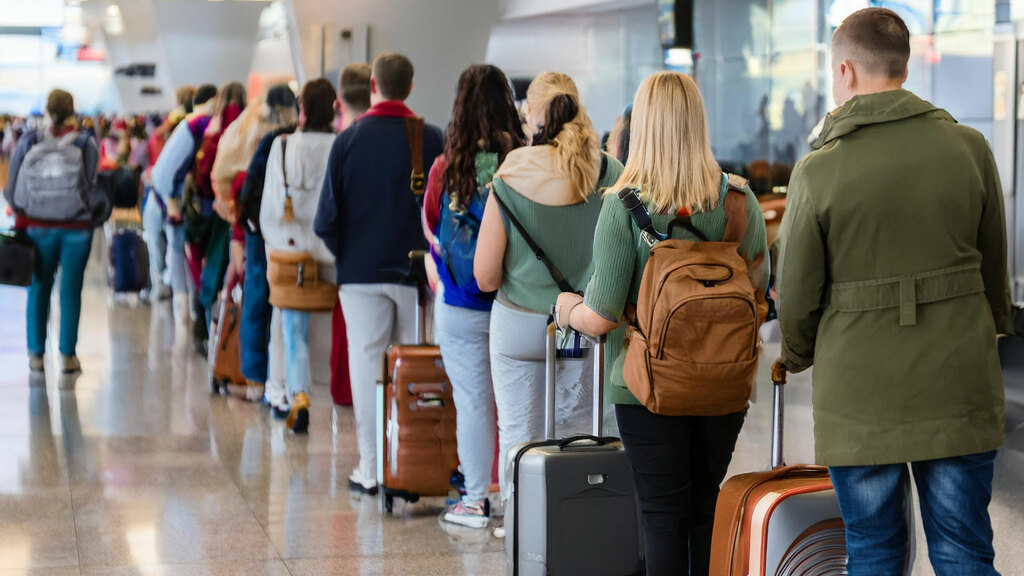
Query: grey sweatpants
{"points": [[376, 315], [463, 335]]}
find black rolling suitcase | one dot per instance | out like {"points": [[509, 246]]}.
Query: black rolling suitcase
{"points": [[573, 508]]}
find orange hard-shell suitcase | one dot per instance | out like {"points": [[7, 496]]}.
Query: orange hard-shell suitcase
{"points": [[783, 522]]}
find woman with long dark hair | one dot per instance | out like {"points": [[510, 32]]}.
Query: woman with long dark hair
{"points": [[484, 129]]}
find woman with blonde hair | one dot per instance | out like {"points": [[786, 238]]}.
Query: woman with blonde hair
{"points": [[548, 191], [678, 461]]}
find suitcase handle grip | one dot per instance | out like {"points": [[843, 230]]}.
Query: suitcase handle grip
{"points": [[778, 411], [417, 388], [597, 440]]}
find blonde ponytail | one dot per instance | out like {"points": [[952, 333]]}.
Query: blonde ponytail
{"points": [[568, 130]]}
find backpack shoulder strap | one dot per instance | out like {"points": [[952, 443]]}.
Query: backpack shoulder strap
{"points": [[735, 209], [284, 162], [418, 180], [553, 270], [632, 203]]}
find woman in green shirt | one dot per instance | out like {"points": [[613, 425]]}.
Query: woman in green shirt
{"points": [[678, 461], [551, 188]]}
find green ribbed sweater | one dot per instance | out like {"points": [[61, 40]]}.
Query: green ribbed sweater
{"points": [[565, 233], [620, 256]]}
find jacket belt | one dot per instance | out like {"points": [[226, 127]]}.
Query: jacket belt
{"points": [[906, 292]]}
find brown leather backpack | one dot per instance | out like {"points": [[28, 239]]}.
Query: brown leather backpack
{"points": [[692, 343]]}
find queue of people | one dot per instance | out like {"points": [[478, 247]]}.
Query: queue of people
{"points": [[238, 190]]}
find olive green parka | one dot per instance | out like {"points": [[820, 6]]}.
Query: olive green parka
{"points": [[893, 283]]}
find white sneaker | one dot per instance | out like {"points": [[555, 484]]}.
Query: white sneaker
{"points": [[467, 513], [358, 483], [499, 530]]}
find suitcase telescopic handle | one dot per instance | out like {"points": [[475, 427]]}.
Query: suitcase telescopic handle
{"points": [[778, 411], [550, 383]]}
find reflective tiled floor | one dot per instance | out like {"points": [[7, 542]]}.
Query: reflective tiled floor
{"points": [[136, 469]]}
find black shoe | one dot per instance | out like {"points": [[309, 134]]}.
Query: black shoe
{"points": [[354, 486], [301, 423], [281, 412], [200, 347]]}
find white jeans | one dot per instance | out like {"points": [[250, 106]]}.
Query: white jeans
{"points": [[376, 315], [464, 337], [276, 386], [518, 351]]}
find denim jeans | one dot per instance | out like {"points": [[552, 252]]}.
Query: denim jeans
{"points": [[678, 464], [176, 258], [954, 496], [69, 251], [255, 335], [156, 240], [295, 326], [464, 337], [215, 263]]}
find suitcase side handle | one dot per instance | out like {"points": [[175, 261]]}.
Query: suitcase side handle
{"points": [[778, 411]]}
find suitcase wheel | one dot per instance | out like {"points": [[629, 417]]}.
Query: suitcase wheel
{"points": [[218, 386], [389, 503]]}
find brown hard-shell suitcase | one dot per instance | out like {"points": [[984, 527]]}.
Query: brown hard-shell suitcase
{"points": [[226, 352], [417, 452], [419, 446], [785, 521]]}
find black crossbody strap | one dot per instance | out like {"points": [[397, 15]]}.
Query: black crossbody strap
{"points": [[631, 201], [556, 274]]}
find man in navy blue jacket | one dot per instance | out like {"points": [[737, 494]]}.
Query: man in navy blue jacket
{"points": [[370, 219]]}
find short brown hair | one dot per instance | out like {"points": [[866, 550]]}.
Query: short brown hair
{"points": [[60, 105], [354, 86], [875, 38], [393, 74], [317, 99]]}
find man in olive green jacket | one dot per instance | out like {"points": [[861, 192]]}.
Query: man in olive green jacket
{"points": [[893, 284]]}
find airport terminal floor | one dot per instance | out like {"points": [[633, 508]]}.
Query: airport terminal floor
{"points": [[135, 468]]}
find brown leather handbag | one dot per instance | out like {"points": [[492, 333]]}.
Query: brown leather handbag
{"points": [[294, 277], [295, 283]]}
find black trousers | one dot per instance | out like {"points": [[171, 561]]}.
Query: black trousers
{"points": [[678, 464]]}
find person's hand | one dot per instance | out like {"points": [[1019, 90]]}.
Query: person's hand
{"points": [[433, 278], [225, 209], [238, 256], [563, 307]]}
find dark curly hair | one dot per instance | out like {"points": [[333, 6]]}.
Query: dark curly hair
{"points": [[485, 119]]}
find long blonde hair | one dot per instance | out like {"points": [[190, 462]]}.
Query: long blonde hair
{"points": [[577, 151], [670, 157]]}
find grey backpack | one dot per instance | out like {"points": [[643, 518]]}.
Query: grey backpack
{"points": [[51, 184]]}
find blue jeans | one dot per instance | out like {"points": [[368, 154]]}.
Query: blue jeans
{"points": [[69, 251], [176, 257], [954, 496], [156, 240], [255, 335], [295, 326]]}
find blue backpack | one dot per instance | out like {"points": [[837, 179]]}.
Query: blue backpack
{"points": [[457, 233]]}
